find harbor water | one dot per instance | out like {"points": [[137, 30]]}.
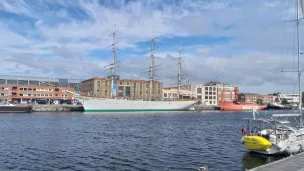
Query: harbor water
{"points": [[126, 141]]}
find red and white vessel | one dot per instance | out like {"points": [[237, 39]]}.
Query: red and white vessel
{"points": [[234, 105]]}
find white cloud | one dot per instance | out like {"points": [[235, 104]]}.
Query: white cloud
{"points": [[251, 58], [203, 50]]}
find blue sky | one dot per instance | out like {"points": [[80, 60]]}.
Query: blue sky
{"points": [[247, 41]]}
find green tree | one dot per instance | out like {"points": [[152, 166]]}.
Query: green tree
{"points": [[284, 102], [259, 101], [277, 99]]}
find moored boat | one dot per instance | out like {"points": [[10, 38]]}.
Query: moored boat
{"points": [[272, 136], [275, 106], [113, 103], [10, 108], [120, 105], [236, 106]]}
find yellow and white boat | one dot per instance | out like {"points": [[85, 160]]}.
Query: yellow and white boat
{"points": [[269, 136], [256, 143]]}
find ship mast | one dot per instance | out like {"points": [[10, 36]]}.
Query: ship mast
{"points": [[180, 59], [151, 69], [112, 66], [299, 64]]}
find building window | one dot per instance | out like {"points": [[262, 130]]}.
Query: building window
{"points": [[2, 81], [34, 82], [214, 89], [20, 94], [199, 90], [206, 88], [20, 88], [214, 93], [23, 82], [128, 91], [210, 88], [11, 81]]}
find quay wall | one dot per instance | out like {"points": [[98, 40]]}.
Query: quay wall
{"points": [[205, 107], [56, 108]]}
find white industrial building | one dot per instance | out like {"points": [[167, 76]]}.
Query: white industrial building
{"points": [[291, 98], [210, 93]]}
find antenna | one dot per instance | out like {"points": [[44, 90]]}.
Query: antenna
{"points": [[223, 90], [113, 65]]}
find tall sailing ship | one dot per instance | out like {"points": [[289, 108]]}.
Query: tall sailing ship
{"points": [[114, 104]]}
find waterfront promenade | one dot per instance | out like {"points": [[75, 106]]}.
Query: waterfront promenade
{"points": [[292, 163]]}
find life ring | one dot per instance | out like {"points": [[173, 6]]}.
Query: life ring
{"points": [[243, 131]]}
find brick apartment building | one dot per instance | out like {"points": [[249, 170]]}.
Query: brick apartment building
{"points": [[253, 98], [19, 89], [26, 93], [125, 88]]}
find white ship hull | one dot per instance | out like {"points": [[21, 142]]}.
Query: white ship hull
{"points": [[120, 105]]}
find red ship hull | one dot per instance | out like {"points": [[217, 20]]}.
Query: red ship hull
{"points": [[230, 106]]}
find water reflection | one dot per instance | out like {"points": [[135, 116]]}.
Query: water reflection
{"points": [[252, 160]]}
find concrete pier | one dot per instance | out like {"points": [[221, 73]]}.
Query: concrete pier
{"points": [[205, 107], [56, 108], [292, 163]]}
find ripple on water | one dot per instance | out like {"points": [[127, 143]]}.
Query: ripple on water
{"points": [[134, 141]]}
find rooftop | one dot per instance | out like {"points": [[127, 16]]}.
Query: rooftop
{"points": [[16, 77], [131, 80]]}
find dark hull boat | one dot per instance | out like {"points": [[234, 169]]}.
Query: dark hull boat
{"points": [[15, 109], [277, 107]]}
